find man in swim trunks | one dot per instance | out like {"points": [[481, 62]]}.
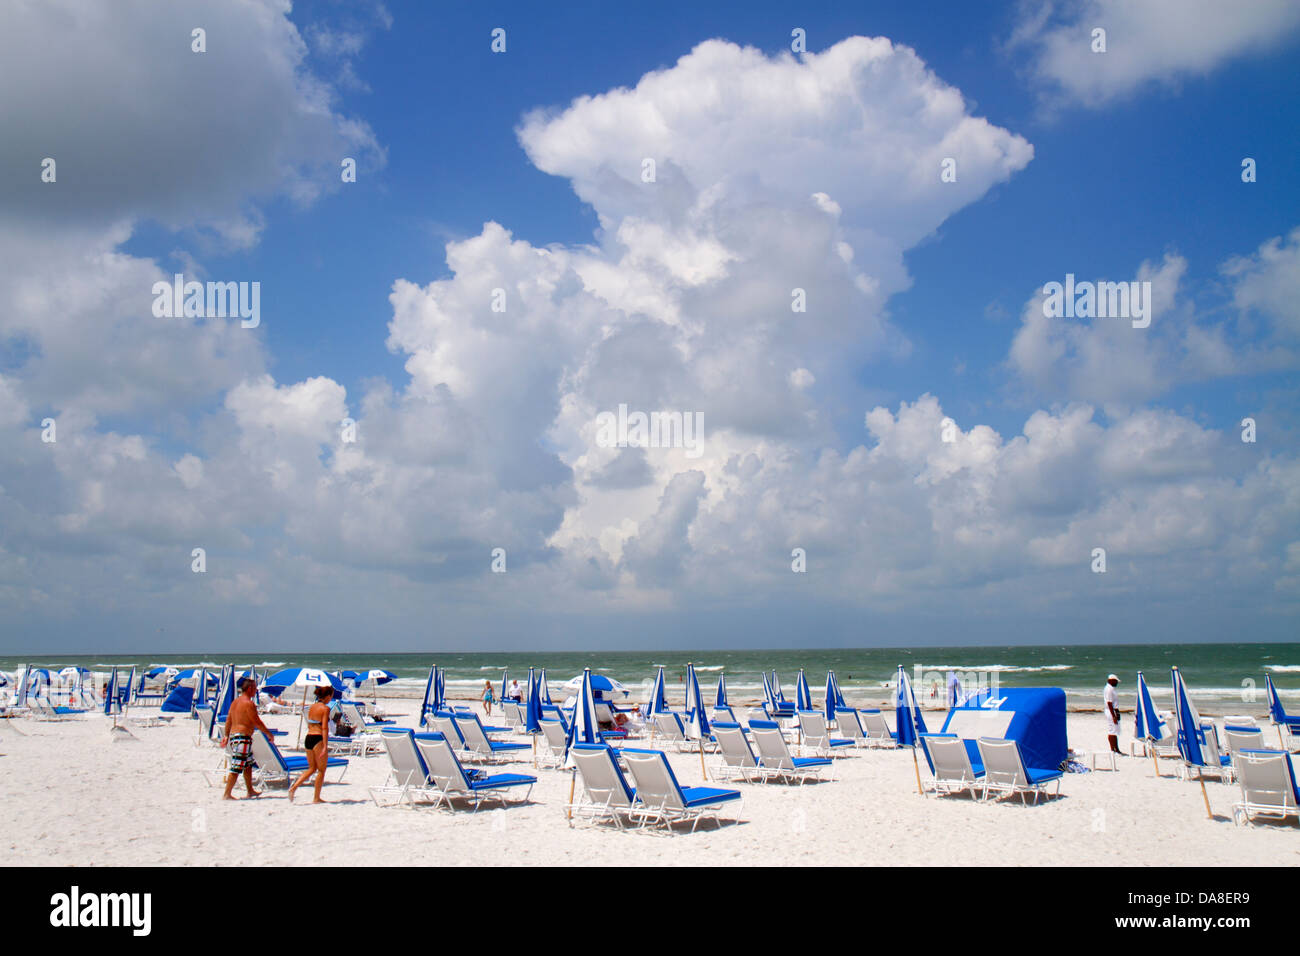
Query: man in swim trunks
{"points": [[237, 738]]}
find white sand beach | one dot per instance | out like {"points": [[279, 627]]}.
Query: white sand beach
{"points": [[72, 797]]}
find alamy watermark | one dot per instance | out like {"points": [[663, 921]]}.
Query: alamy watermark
{"points": [[212, 300], [952, 687], [1098, 300], [626, 429]]}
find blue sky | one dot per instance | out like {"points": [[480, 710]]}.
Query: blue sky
{"points": [[476, 437]]}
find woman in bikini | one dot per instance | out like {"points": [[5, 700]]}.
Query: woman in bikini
{"points": [[316, 743], [487, 697]]}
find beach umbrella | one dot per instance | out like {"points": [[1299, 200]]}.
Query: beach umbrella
{"points": [[128, 694], [582, 728], [1276, 712], [376, 676], [505, 674], [545, 687], [907, 716], [440, 701], [533, 712], [225, 697], [776, 688], [658, 699], [1148, 725], [112, 702], [430, 691], [699, 719], [768, 696], [721, 699], [21, 698], [599, 682], [833, 697], [303, 677], [802, 693], [1189, 732]]}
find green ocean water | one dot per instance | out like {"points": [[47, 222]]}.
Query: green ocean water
{"points": [[1223, 678]]}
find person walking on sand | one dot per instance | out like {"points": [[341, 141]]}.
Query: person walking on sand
{"points": [[1111, 697], [487, 697], [316, 743], [237, 737]]}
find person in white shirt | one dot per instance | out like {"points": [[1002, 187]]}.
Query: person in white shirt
{"points": [[1111, 697], [516, 693]]}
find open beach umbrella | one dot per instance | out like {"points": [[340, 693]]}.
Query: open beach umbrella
{"points": [[159, 670], [430, 690], [303, 677], [376, 676], [1190, 735], [1147, 722], [721, 699], [599, 682], [658, 699], [802, 693], [907, 716]]}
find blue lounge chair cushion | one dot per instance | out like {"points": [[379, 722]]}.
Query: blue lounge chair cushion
{"points": [[300, 763], [1037, 775], [501, 780], [495, 730], [497, 745], [840, 742], [707, 796], [801, 762]]}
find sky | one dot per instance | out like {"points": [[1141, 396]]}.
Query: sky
{"points": [[825, 235]]}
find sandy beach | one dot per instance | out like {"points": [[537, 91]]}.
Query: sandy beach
{"points": [[73, 797]]}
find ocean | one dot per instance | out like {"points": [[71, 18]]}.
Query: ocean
{"points": [[1223, 678]]}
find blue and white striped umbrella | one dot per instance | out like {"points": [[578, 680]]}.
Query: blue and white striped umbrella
{"points": [[802, 693], [721, 699], [777, 693], [699, 720], [545, 688], [430, 690], [441, 700], [533, 713], [129, 691], [225, 697], [1148, 725], [658, 698], [21, 694], [768, 695], [1190, 736], [834, 698], [582, 728], [302, 677], [907, 714], [112, 701], [505, 683]]}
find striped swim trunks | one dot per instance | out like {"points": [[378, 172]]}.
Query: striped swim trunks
{"points": [[240, 750]]}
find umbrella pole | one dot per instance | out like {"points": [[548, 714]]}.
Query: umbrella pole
{"points": [[1155, 759], [1280, 744], [916, 765], [301, 712], [534, 739], [573, 779], [1201, 776], [703, 773]]}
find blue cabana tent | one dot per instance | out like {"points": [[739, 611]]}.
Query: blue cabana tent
{"points": [[1034, 717]]}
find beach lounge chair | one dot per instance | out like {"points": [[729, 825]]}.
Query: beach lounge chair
{"points": [[44, 710], [605, 791], [274, 767], [954, 770], [556, 738], [738, 758], [775, 757], [724, 715], [878, 732], [1216, 763], [1238, 738], [451, 781], [670, 729], [812, 726], [514, 716], [478, 742], [408, 777], [850, 726], [756, 713], [661, 797], [1005, 770], [366, 736], [1268, 786], [444, 722]]}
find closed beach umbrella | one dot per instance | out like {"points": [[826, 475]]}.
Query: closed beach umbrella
{"points": [[430, 691], [776, 688], [544, 688], [1148, 725], [767, 693], [225, 697], [721, 699], [112, 702], [907, 715], [833, 697], [1189, 732], [699, 726], [533, 714], [1277, 713], [505, 675], [658, 699], [20, 695], [440, 700], [802, 693], [582, 728]]}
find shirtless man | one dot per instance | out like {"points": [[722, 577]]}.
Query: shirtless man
{"points": [[238, 737]]}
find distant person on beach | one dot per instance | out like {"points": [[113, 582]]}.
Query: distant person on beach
{"points": [[487, 697], [316, 743], [934, 689], [516, 693], [1111, 697], [954, 689], [237, 737]]}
